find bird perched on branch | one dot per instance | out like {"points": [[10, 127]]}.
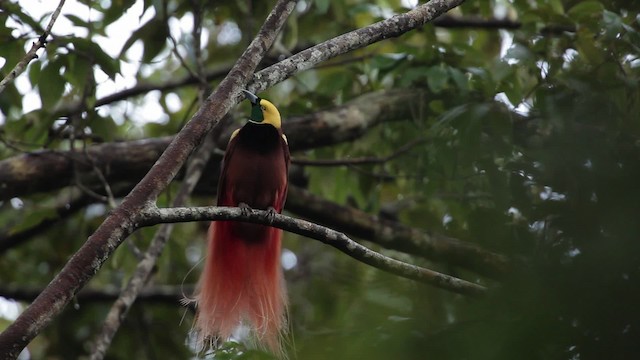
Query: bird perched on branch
{"points": [[242, 282]]}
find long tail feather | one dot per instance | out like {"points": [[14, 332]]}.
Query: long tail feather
{"points": [[242, 282]]}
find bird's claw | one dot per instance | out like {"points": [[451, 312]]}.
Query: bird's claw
{"points": [[271, 214], [245, 209]]}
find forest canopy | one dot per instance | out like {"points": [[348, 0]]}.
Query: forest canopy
{"points": [[496, 143]]}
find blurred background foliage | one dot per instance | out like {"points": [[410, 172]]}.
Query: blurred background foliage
{"points": [[528, 144]]}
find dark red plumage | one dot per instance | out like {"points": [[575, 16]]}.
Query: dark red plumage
{"points": [[242, 280]]}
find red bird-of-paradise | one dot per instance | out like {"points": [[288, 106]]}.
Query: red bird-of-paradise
{"points": [[242, 281]]}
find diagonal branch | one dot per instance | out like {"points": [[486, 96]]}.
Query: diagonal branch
{"points": [[143, 271], [392, 27], [145, 266], [32, 53], [123, 303], [124, 219], [326, 235]]}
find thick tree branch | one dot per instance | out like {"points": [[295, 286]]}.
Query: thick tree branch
{"points": [[122, 220], [32, 53], [326, 235], [48, 170]]}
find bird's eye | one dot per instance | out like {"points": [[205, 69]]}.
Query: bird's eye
{"points": [[263, 108]]}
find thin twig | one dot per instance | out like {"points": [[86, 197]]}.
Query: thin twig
{"points": [[107, 188], [198, 14], [32, 53], [180, 58], [326, 235]]}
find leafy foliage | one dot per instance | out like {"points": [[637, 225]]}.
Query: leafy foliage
{"points": [[530, 149]]}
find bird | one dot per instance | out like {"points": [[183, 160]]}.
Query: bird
{"points": [[242, 282]]}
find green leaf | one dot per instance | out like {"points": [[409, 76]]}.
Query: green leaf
{"points": [[334, 82], [587, 47], [105, 128], [437, 78], [459, 78], [78, 71], [153, 35], [16, 11], [34, 72], [412, 75], [386, 61], [322, 6], [51, 84], [93, 51], [556, 6], [77, 21], [613, 25], [520, 53], [585, 10], [116, 10]]}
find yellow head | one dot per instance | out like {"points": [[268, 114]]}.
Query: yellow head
{"points": [[263, 111]]}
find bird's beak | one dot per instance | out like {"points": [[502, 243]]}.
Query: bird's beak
{"points": [[251, 97]]}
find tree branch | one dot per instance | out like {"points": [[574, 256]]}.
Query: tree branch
{"points": [[329, 126], [136, 283], [145, 266], [392, 27], [143, 88], [394, 235], [32, 53], [326, 235], [48, 170], [445, 21], [123, 220]]}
